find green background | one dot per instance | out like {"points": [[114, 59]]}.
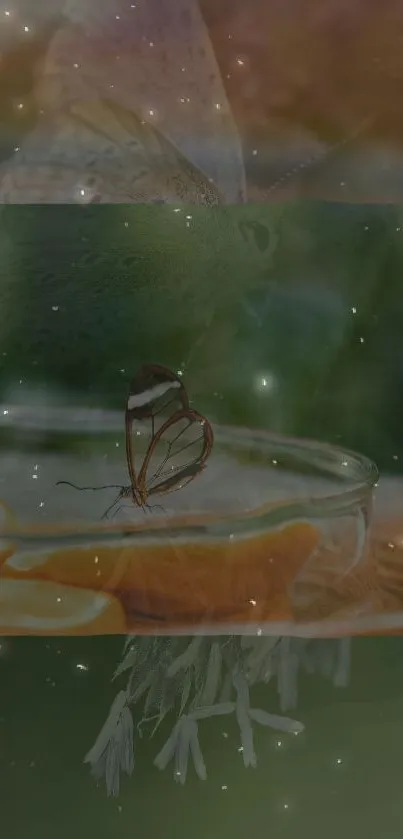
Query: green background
{"points": [[87, 294], [227, 295]]}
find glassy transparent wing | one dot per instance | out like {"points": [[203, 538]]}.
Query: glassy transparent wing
{"points": [[152, 55], [178, 452], [156, 395], [100, 152]]}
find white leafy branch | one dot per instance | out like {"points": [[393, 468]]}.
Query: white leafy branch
{"points": [[202, 677], [113, 750]]}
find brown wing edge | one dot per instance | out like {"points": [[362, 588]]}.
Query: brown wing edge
{"points": [[188, 472], [143, 381]]}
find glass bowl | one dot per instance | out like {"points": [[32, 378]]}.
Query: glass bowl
{"points": [[254, 544]]}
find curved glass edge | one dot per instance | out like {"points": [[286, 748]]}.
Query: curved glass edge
{"points": [[330, 460]]}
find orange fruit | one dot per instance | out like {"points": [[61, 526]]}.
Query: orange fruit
{"points": [[7, 522], [171, 580], [35, 607], [97, 568]]}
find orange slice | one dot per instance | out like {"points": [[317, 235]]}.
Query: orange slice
{"points": [[34, 607], [185, 580], [7, 522], [97, 568]]}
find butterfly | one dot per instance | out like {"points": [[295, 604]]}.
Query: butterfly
{"points": [[179, 439], [101, 152]]}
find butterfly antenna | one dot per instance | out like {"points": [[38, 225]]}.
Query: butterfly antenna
{"points": [[82, 489]]}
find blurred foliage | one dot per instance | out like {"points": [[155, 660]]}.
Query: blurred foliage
{"points": [[307, 295]]}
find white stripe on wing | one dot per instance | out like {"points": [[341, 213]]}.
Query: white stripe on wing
{"points": [[137, 400]]}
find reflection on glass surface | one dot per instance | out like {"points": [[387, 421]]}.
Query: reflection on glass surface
{"points": [[216, 122]]}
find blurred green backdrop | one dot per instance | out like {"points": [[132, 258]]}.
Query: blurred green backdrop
{"points": [[287, 317], [305, 298]]}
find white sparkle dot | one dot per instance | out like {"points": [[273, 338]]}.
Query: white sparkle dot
{"points": [[339, 761], [354, 310], [59, 599], [5, 412], [361, 340], [224, 786], [75, 65], [254, 152], [217, 106], [151, 43], [26, 28], [151, 112], [265, 383], [7, 13], [82, 667], [252, 602], [16, 148], [240, 61], [55, 308]]}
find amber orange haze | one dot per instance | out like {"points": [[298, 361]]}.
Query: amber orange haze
{"points": [[319, 82], [316, 90]]}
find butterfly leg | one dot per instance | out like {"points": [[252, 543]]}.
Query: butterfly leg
{"points": [[121, 507], [157, 507]]}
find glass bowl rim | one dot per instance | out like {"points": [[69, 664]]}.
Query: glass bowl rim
{"points": [[332, 460]]}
